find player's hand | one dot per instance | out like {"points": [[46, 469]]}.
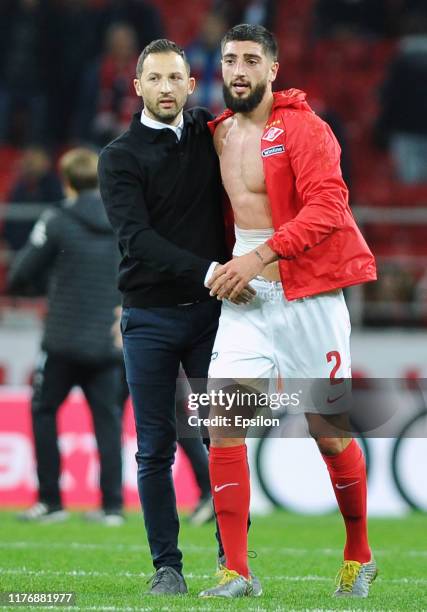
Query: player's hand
{"points": [[229, 280], [244, 297]]}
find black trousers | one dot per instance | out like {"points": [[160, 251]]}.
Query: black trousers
{"points": [[193, 447], [155, 342], [54, 378]]}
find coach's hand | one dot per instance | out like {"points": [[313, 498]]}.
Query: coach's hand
{"points": [[231, 279]]}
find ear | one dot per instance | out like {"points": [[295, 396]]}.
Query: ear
{"points": [[273, 71], [137, 85], [191, 85]]}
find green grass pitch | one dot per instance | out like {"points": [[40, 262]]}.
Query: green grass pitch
{"points": [[298, 558]]}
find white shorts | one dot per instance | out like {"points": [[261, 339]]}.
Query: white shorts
{"points": [[272, 339]]}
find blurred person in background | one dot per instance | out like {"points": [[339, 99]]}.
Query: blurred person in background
{"points": [[368, 18], [37, 183], [256, 12], [402, 123], [107, 99], [204, 56], [392, 299], [336, 18], [75, 38], [77, 247], [144, 16], [24, 67]]}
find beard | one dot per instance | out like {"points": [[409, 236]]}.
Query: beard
{"points": [[247, 104], [163, 115]]}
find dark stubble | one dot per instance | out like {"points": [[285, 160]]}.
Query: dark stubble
{"points": [[164, 116]]}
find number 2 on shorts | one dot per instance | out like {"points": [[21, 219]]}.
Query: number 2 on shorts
{"points": [[331, 356]]}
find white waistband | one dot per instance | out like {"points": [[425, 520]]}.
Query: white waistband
{"points": [[247, 240]]}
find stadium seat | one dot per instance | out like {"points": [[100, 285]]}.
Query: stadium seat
{"points": [[182, 26], [9, 157]]}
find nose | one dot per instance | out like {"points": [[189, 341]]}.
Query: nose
{"points": [[165, 86], [239, 69]]}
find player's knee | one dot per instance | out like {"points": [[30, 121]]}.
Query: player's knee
{"points": [[218, 442], [331, 446]]}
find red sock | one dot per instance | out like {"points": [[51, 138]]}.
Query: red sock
{"points": [[348, 475], [229, 474]]}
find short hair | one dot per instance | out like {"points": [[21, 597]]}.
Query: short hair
{"points": [[78, 168], [162, 45], [254, 33]]}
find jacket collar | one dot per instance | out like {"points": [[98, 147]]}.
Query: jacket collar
{"points": [[150, 135], [288, 98]]}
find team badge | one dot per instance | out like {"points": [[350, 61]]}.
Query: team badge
{"points": [[272, 134]]}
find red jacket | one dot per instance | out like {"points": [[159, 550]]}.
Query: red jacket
{"points": [[319, 244]]}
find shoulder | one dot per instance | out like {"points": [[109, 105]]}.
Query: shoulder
{"points": [[119, 150], [300, 120], [307, 134], [200, 115], [221, 132]]}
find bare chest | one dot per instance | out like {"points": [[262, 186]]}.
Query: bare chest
{"points": [[241, 163]]}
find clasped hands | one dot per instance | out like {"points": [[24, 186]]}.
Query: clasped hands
{"points": [[231, 280]]}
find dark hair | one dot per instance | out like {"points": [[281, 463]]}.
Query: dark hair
{"points": [[162, 45], [254, 33], [79, 168]]}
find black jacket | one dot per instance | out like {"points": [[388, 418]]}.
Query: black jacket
{"points": [[77, 249], [163, 199]]}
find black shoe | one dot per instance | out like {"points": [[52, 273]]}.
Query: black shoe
{"points": [[167, 581]]}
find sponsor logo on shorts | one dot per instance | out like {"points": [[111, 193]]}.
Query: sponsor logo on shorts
{"points": [[214, 356], [273, 150], [272, 134]]}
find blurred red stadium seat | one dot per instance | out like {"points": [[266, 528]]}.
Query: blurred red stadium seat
{"points": [[182, 26], [9, 157]]}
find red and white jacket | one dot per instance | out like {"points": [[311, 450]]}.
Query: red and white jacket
{"points": [[316, 237]]}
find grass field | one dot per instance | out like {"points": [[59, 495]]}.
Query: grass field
{"points": [[297, 560]]}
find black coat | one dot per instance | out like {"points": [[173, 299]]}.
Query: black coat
{"points": [[76, 249]]}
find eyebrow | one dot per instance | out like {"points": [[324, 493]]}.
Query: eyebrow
{"points": [[157, 74], [245, 55]]}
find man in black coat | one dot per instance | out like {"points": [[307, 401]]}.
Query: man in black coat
{"points": [[76, 250], [161, 187]]}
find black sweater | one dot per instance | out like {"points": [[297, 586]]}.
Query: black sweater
{"points": [[163, 199]]}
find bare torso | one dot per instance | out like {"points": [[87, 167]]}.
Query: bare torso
{"points": [[238, 148]]}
